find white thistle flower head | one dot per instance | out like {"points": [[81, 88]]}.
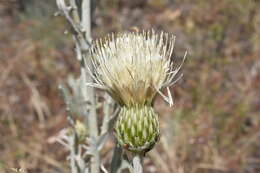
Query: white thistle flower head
{"points": [[133, 66]]}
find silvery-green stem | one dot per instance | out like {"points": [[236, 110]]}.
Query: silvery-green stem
{"points": [[73, 166], [107, 111], [137, 164], [89, 92], [78, 15]]}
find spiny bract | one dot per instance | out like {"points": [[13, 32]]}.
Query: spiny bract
{"points": [[137, 128]]}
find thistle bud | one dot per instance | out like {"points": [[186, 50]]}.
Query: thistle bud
{"points": [[137, 128], [81, 131]]}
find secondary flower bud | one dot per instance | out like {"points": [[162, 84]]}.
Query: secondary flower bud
{"points": [[81, 131]]}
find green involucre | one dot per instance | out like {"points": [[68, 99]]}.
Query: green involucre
{"points": [[137, 128]]}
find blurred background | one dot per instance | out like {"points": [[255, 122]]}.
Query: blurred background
{"points": [[214, 126]]}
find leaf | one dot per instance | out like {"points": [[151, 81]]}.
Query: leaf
{"points": [[74, 99], [119, 161], [116, 159]]}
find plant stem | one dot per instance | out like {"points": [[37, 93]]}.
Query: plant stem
{"points": [[78, 15], [73, 166], [138, 164], [90, 92]]}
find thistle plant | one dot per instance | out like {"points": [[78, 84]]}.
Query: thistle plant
{"points": [[132, 67]]}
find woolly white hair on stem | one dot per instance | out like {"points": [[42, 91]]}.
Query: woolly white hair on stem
{"points": [[133, 66]]}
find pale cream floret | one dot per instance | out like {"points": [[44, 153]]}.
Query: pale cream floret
{"points": [[133, 67]]}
